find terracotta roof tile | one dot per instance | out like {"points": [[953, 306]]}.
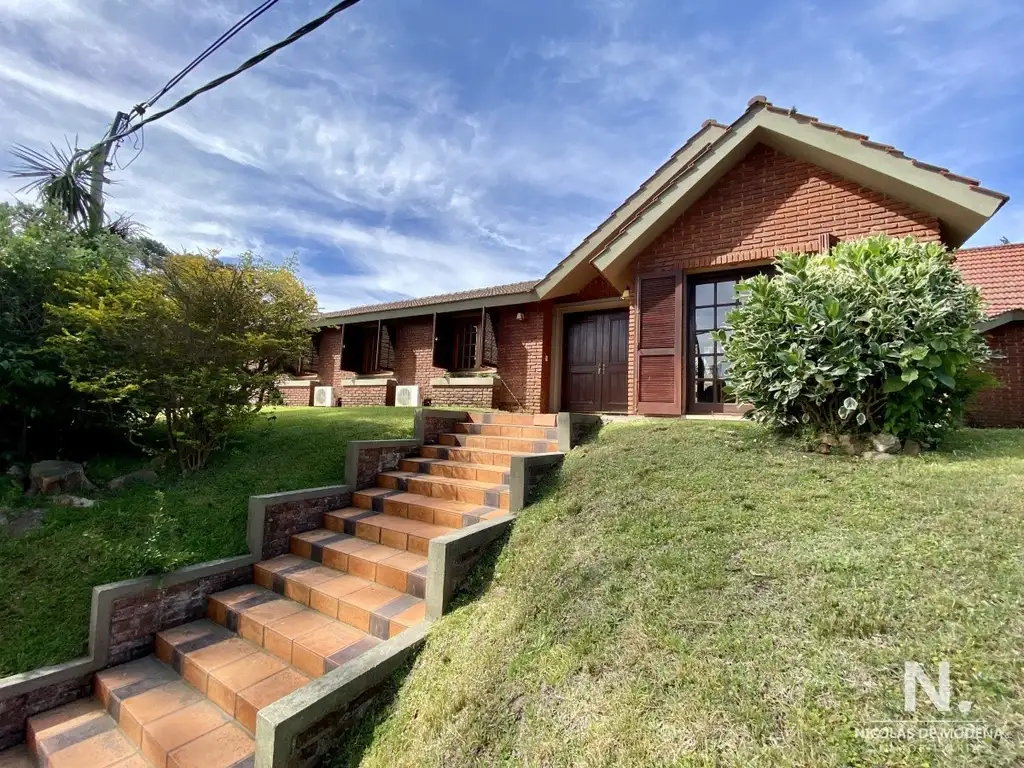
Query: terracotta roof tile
{"points": [[443, 298], [998, 270]]}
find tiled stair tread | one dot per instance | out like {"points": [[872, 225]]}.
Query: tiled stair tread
{"points": [[469, 491], [81, 734], [508, 430], [389, 530], [237, 675], [331, 597], [169, 724], [447, 513], [463, 470], [521, 419], [476, 455], [523, 444], [396, 568], [436, 479]]}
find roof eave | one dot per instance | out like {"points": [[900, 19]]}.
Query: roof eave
{"points": [[1003, 318], [463, 305]]}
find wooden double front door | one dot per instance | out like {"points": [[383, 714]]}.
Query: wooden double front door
{"points": [[596, 363]]}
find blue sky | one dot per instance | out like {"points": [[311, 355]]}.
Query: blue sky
{"points": [[413, 147]]}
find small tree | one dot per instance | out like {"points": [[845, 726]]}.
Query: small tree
{"points": [[194, 340], [876, 334], [39, 256]]}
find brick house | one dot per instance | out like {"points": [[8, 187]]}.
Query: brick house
{"points": [[621, 324]]}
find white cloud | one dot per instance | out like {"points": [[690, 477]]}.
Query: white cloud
{"points": [[370, 155]]}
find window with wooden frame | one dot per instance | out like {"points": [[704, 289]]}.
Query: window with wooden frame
{"points": [[368, 348], [466, 341]]}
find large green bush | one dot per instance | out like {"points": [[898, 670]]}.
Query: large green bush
{"points": [[874, 335]]}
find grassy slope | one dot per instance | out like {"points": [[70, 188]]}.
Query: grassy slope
{"points": [[691, 594], [46, 578]]}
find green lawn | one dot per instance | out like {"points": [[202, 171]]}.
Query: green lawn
{"points": [[46, 577], [689, 593]]}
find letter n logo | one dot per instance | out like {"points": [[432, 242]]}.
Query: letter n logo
{"points": [[914, 675]]}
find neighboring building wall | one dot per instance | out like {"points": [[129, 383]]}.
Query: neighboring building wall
{"points": [[768, 202], [1003, 406]]}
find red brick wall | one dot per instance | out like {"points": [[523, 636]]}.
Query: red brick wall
{"points": [[414, 354], [524, 358], [1003, 406], [329, 360], [768, 202], [366, 395], [297, 395]]}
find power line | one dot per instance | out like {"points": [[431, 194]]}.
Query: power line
{"points": [[266, 53], [213, 48]]}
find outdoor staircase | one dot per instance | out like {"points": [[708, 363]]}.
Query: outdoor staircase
{"points": [[342, 590]]}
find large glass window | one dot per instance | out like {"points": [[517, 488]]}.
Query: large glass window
{"points": [[711, 302]]}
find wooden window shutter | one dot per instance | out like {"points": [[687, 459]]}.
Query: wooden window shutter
{"points": [[659, 343], [443, 342], [351, 348], [826, 242], [385, 347], [489, 339]]}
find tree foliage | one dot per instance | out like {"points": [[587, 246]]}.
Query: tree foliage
{"points": [[194, 340], [39, 257], [876, 334]]}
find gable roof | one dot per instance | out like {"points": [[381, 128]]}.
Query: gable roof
{"points": [[960, 203], [998, 270], [508, 293]]}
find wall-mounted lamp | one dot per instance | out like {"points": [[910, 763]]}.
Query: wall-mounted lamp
{"points": [[520, 316], [625, 294]]}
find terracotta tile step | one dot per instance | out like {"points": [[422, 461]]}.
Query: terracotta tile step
{"points": [[517, 419], [381, 528], [395, 568], [466, 491], [459, 470], [500, 443], [417, 507], [471, 455], [317, 596], [81, 734], [504, 430]]}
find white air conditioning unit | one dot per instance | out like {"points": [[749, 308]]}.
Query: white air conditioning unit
{"points": [[323, 397], [407, 397]]}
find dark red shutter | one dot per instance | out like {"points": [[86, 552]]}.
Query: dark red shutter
{"points": [[443, 342], [385, 347], [659, 345]]}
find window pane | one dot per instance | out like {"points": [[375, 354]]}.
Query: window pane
{"points": [[704, 319], [705, 343], [704, 295], [726, 292], [720, 317], [704, 367], [723, 367], [705, 391]]}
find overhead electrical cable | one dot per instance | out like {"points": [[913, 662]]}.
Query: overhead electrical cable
{"points": [[266, 53], [213, 48]]}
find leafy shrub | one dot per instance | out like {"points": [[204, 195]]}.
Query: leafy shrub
{"points": [[195, 342], [874, 335], [40, 413]]}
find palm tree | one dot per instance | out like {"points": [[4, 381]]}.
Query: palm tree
{"points": [[65, 179]]}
